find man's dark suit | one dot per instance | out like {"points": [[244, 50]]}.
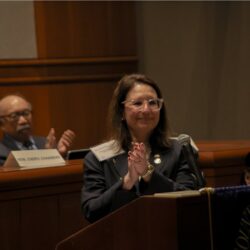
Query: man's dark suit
{"points": [[8, 144]]}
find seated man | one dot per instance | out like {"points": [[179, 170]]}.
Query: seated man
{"points": [[16, 124]]}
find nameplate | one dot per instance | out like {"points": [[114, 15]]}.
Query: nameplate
{"points": [[35, 158]]}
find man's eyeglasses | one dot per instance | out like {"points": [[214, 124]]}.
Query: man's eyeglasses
{"points": [[138, 105], [14, 117]]}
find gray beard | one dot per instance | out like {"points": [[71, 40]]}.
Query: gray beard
{"points": [[22, 127]]}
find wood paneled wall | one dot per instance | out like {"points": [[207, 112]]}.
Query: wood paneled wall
{"points": [[85, 28], [83, 49]]}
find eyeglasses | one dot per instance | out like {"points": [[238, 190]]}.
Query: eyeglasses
{"points": [[14, 117], [138, 105]]}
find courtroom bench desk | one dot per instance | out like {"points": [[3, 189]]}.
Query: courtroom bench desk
{"points": [[223, 162], [39, 207]]}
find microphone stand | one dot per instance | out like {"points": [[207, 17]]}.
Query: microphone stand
{"points": [[189, 155]]}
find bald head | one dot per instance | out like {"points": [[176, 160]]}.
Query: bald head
{"points": [[15, 117], [10, 103]]}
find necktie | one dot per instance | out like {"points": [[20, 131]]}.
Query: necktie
{"points": [[28, 144]]}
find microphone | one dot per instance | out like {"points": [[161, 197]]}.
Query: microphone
{"points": [[186, 139], [189, 151], [28, 144]]}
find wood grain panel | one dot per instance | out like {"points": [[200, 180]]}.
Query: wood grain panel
{"points": [[41, 215], [39, 207], [69, 222], [223, 162], [83, 109], [157, 222], [67, 93], [10, 225], [85, 28], [77, 106], [65, 69]]}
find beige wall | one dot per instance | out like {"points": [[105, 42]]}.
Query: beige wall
{"points": [[17, 30], [200, 55]]}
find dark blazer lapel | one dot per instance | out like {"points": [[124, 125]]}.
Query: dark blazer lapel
{"points": [[39, 141], [121, 164], [9, 142]]}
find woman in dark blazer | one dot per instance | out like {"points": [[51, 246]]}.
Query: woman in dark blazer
{"points": [[140, 158]]}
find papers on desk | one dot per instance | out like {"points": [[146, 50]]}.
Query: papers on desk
{"points": [[27, 159], [185, 193]]}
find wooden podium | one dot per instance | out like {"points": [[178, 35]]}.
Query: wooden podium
{"points": [[150, 222]]}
